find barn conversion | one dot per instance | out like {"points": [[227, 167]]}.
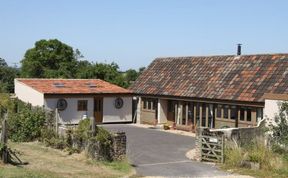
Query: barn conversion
{"points": [[212, 91], [76, 99]]}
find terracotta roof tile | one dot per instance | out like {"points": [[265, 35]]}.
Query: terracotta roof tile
{"points": [[73, 86], [244, 78]]}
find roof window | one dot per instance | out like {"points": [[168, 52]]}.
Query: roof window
{"points": [[59, 85]]}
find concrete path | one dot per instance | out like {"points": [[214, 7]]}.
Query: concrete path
{"points": [[157, 153]]}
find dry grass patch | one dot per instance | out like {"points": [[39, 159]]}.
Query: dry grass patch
{"points": [[48, 162]]}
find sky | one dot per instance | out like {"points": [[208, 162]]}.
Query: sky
{"points": [[134, 32]]}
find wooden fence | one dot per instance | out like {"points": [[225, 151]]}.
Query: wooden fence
{"points": [[212, 146]]}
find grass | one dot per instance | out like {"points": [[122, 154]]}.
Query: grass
{"points": [[272, 164], [51, 163]]}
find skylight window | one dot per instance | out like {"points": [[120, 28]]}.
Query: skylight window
{"points": [[91, 85], [59, 85]]}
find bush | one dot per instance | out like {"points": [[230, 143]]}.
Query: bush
{"points": [[280, 130], [82, 131], [57, 143], [26, 125], [103, 136]]}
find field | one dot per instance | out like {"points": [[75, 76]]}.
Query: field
{"points": [[46, 162]]}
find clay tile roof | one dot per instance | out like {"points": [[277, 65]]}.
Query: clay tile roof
{"points": [[73, 86], [241, 78]]}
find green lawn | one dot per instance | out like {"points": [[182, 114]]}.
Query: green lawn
{"points": [[47, 163]]}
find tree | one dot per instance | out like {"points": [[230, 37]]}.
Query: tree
{"points": [[3, 62], [280, 130], [50, 59], [7, 75], [107, 72]]}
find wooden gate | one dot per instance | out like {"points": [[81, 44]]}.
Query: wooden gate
{"points": [[212, 146]]}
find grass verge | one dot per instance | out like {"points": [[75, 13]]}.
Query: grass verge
{"points": [[48, 162]]}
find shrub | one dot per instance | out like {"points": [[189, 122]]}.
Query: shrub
{"points": [[26, 125], [103, 136], [82, 131], [280, 130], [57, 143]]}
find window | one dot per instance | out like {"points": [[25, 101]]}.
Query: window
{"points": [[219, 111], [144, 106], [204, 115], [82, 105], [184, 113], [242, 114], [259, 114], [190, 113], [171, 106], [234, 113], [155, 103], [149, 104], [225, 112], [249, 119]]}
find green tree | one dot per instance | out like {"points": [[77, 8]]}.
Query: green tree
{"points": [[3, 62], [280, 130], [131, 75], [50, 59], [107, 72], [7, 75]]}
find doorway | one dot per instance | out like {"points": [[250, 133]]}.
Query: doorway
{"points": [[98, 109]]}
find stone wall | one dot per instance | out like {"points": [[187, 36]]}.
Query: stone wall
{"points": [[244, 136], [108, 152]]}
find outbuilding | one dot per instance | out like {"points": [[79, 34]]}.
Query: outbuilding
{"points": [[76, 99], [211, 91]]}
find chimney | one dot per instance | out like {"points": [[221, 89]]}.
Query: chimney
{"points": [[239, 49]]}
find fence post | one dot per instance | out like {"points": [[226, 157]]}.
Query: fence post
{"points": [[93, 125], [3, 141], [222, 149], [56, 121]]}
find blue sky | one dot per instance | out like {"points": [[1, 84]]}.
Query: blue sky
{"points": [[132, 32]]}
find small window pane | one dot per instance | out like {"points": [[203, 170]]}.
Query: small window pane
{"points": [[249, 115], [144, 103], [225, 112], [242, 114], [190, 113], [149, 104], [155, 104], [219, 108], [234, 113], [82, 105]]}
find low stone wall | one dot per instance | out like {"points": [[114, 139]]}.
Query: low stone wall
{"points": [[108, 152], [244, 136]]}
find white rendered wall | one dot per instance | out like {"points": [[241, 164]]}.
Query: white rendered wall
{"points": [[71, 115], [112, 114], [28, 94], [271, 109]]}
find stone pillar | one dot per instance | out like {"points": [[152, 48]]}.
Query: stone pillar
{"points": [[198, 144], [119, 146]]}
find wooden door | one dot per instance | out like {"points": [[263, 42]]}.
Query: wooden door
{"points": [[98, 109]]}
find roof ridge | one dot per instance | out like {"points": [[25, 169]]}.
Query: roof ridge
{"points": [[56, 79], [205, 56]]}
